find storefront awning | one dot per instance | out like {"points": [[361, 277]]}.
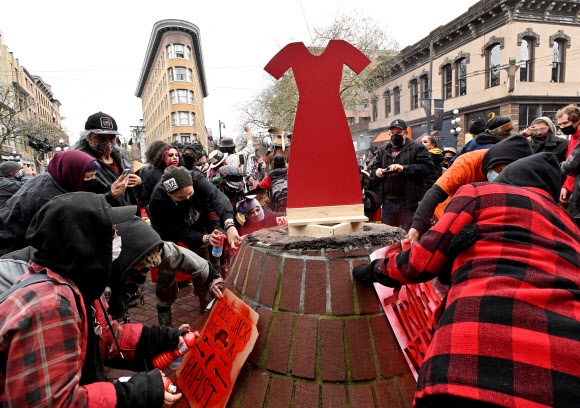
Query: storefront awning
{"points": [[382, 137]]}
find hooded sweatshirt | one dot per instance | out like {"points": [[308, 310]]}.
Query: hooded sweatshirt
{"points": [[72, 240], [66, 173]]}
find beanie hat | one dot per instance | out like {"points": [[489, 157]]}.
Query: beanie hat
{"points": [[546, 120], [477, 127], [9, 167], [175, 178], [505, 152], [499, 125]]}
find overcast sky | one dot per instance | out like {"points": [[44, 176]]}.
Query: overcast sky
{"points": [[92, 53]]}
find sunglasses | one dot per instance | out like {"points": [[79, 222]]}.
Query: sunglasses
{"points": [[172, 155]]}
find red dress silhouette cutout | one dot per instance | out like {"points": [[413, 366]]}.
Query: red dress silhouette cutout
{"points": [[323, 170]]}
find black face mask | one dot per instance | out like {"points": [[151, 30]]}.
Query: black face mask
{"points": [[397, 140], [90, 185], [188, 161], [568, 130]]}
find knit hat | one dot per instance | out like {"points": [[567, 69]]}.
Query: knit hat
{"points": [[499, 125], [477, 127], [9, 167], [546, 120], [505, 152], [278, 162], [175, 178]]}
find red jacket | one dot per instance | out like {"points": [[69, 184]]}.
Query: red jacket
{"points": [[43, 342], [510, 332]]}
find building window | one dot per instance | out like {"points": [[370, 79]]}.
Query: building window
{"points": [[527, 114], [461, 77], [375, 111], [424, 79], [181, 96], [558, 59], [397, 93], [180, 74], [527, 60], [183, 118], [178, 51], [387, 104], [493, 68], [350, 120], [414, 94], [186, 137], [447, 82]]}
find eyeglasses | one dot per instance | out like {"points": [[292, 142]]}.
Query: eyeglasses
{"points": [[171, 154]]}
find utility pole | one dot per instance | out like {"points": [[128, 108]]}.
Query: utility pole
{"points": [[137, 131], [430, 87]]}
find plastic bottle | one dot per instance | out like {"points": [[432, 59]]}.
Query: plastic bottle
{"points": [[217, 250], [163, 360], [168, 385]]}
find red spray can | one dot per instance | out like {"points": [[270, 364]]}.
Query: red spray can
{"points": [[163, 360], [168, 385]]}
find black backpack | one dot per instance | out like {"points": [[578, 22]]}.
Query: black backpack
{"points": [[278, 194]]}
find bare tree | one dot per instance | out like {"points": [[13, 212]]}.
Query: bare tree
{"points": [[276, 104]]}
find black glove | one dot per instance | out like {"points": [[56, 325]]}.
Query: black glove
{"points": [[368, 274]]}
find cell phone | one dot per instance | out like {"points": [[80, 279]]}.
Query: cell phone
{"points": [[126, 172], [242, 158]]}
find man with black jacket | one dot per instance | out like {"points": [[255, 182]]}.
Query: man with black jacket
{"points": [[99, 141], [399, 170], [186, 208]]}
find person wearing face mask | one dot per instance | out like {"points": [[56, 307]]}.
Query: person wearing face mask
{"points": [[569, 123], [11, 179], [448, 153], [189, 157], [99, 141], [399, 171], [169, 156], [187, 209], [472, 167], [68, 171], [61, 322], [542, 133]]}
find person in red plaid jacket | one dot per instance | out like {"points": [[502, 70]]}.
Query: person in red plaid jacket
{"points": [[53, 339], [510, 332]]}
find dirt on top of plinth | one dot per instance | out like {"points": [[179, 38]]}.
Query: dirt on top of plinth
{"points": [[373, 235]]}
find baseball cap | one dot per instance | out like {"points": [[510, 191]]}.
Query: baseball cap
{"points": [[101, 123], [400, 123]]}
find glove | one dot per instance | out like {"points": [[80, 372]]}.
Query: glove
{"points": [[368, 274]]}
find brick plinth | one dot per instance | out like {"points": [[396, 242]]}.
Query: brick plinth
{"points": [[323, 338]]}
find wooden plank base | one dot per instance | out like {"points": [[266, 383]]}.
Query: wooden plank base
{"points": [[322, 230]]}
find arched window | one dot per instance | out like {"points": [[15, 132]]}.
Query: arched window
{"points": [[558, 60], [461, 77], [527, 60], [447, 72], [414, 85], [397, 94], [493, 66], [387, 96]]}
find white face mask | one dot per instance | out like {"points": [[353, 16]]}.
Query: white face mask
{"points": [[491, 175], [116, 248]]}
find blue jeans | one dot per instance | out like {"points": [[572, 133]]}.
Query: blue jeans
{"points": [[396, 214]]}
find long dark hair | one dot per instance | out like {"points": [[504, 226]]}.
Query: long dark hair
{"points": [[160, 163]]}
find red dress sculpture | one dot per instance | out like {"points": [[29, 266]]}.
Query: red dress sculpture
{"points": [[323, 170]]}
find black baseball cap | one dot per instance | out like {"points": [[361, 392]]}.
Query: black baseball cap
{"points": [[400, 123], [101, 123]]}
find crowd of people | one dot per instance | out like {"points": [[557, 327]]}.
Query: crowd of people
{"points": [[499, 227], [496, 222]]}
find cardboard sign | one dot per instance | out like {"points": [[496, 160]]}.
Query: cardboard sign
{"points": [[410, 312], [208, 371]]}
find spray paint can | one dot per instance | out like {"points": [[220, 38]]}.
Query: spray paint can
{"points": [[168, 385]]}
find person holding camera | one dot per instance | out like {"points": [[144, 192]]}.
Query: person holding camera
{"points": [[242, 159]]}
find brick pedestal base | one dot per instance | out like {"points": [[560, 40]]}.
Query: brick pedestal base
{"points": [[324, 340]]}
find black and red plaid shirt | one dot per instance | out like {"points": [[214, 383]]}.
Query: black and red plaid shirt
{"points": [[510, 333], [43, 340]]}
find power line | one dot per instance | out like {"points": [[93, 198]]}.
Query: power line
{"points": [[306, 21]]}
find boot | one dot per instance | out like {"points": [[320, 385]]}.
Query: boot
{"points": [[164, 315]]}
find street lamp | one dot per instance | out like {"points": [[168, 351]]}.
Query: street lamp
{"points": [[61, 146], [221, 124], [455, 123], [14, 157]]}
